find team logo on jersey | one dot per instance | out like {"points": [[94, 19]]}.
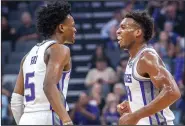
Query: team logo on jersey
{"points": [[130, 64], [128, 78], [33, 60]]}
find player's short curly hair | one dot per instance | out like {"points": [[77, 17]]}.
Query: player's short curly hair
{"points": [[144, 20], [48, 17]]}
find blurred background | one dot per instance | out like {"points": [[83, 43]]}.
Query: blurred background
{"points": [[98, 64]]}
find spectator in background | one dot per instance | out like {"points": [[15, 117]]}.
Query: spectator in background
{"points": [[4, 8], [120, 92], [162, 44], [154, 8], [180, 104], [127, 7], [176, 18], [7, 33], [112, 48], [85, 111], [99, 53], [96, 94], [179, 67], [169, 59], [27, 30], [120, 69], [182, 43], [169, 13], [117, 17], [166, 49], [110, 115], [5, 107], [102, 74], [168, 27], [183, 97]]}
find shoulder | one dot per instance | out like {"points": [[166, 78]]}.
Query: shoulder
{"points": [[57, 52], [148, 56], [110, 69], [22, 61], [149, 60], [93, 70], [58, 49]]}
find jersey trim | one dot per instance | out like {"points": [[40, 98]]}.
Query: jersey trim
{"points": [[138, 79], [55, 119], [134, 68], [52, 118], [133, 59], [67, 71], [43, 42], [63, 77], [152, 95], [144, 98], [163, 116]]}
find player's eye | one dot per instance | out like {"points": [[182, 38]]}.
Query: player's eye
{"points": [[123, 27]]}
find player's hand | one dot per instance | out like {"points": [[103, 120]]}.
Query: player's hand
{"points": [[128, 119], [123, 107]]}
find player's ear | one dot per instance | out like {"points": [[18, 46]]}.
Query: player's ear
{"points": [[61, 28], [138, 33]]}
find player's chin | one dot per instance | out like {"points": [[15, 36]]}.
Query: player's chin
{"points": [[70, 42], [73, 41], [122, 46]]}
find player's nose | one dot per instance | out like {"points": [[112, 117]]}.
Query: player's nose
{"points": [[75, 31], [118, 32]]}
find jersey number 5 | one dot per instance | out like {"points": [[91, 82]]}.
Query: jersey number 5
{"points": [[31, 86]]}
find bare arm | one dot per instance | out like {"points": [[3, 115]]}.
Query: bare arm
{"points": [[17, 99], [162, 79], [19, 86], [56, 57]]}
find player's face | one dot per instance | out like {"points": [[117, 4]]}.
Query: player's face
{"points": [[69, 30], [126, 33]]}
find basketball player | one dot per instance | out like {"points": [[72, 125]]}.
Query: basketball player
{"points": [[41, 87], [150, 87]]}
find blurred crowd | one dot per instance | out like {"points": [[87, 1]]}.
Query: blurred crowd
{"points": [[104, 81]]}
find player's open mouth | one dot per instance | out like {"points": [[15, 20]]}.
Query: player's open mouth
{"points": [[119, 39]]}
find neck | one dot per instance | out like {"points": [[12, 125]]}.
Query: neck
{"points": [[58, 38], [135, 49]]}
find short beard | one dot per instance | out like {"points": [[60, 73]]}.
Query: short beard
{"points": [[68, 42], [130, 45]]}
